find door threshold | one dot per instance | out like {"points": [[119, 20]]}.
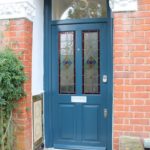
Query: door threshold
{"points": [[67, 149], [53, 149]]}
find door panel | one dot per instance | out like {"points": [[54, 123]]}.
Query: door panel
{"points": [[91, 123], [66, 119], [78, 62]]}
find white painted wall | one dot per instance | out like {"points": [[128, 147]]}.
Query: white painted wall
{"points": [[14, 1], [38, 48]]}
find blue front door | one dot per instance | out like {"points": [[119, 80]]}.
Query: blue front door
{"points": [[79, 86]]}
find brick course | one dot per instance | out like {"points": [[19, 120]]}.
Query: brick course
{"points": [[132, 73]]}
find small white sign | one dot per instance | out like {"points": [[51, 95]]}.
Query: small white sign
{"points": [[78, 99], [123, 5]]}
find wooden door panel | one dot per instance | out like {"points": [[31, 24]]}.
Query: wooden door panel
{"points": [[66, 121], [91, 122]]}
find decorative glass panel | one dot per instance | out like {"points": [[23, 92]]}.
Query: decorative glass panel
{"points": [[66, 63], [91, 62], [76, 9]]}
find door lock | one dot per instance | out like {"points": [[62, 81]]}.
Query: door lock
{"points": [[105, 78], [105, 113]]}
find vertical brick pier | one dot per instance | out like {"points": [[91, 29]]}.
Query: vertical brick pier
{"points": [[132, 73], [16, 30], [17, 34]]}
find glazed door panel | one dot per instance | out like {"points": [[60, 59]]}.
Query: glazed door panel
{"points": [[79, 86]]}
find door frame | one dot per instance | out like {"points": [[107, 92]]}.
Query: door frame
{"points": [[48, 117]]}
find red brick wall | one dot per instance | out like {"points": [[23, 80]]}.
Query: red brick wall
{"points": [[18, 35], [132, 73]]}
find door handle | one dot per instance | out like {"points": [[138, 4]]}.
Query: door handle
{"points": [[105, 113]]}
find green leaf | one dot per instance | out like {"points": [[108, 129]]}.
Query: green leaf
{"points": [[12, 78]]}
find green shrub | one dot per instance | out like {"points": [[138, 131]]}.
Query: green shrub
{"points": [[12, 78]]}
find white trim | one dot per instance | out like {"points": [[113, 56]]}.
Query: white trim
{"points": [[123, 5], [14, 1], [17, 9]]}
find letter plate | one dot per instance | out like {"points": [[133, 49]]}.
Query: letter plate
{"points": [[78, 99]]}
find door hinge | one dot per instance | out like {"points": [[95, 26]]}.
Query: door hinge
{"points": [[105, 113]]}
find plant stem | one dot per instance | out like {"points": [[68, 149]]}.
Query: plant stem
{"points": [[4, 136], [1, 127]]}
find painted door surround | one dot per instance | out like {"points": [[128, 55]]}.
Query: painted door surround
{"points": [[50, 33]]}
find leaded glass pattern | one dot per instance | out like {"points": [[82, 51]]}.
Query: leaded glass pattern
{"points": [[78, 9], [66, 63], [91, 62]]}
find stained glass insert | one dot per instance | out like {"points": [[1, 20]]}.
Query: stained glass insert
{"points": [[66, 63], [91, 62], [78, 9]]}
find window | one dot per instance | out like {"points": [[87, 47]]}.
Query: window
{"points": [[66, 63], [91, 62], [78, 9]]}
